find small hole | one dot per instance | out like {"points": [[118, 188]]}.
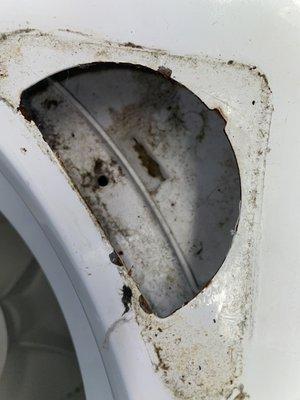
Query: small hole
{"points": [[103, 180]]}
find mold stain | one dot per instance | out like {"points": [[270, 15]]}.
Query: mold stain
{"points": [[132, 45], [147, 161], [126, 298]]}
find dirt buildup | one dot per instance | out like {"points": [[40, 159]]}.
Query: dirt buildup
{"points": [[115, 259], [50, 103], [132, 45], [161, 364], [98, 166], [147, 161], [166, 72]]}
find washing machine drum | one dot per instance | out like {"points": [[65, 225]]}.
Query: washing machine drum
{"points": [[37, 357]]}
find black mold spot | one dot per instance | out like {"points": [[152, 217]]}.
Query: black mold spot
{"points": [[126, 298], [132, 45]]}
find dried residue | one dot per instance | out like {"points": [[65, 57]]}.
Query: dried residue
{"points": [[147, 161]]}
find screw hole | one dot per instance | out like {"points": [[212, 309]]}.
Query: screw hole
{"points": [[102, 180]]}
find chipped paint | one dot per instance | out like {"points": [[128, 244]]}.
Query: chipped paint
{"points": [[198, 350]]}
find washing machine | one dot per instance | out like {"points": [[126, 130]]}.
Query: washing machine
{"points": [[149, 202]]}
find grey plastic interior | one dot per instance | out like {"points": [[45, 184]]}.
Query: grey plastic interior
{"points": [[37, 357], [154, 165]]}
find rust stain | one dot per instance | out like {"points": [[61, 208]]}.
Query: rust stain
{"points": [[145, 306], [166, 72], [25, 111]]}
